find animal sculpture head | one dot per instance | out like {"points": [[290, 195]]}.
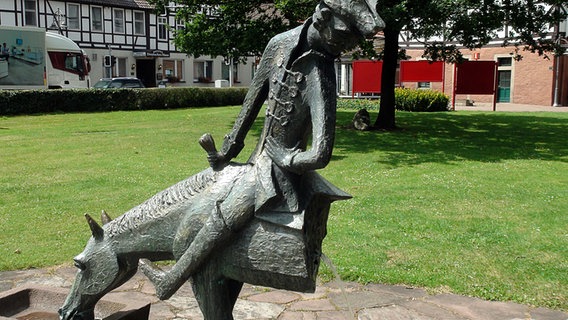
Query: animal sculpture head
{"points": [[362, 14], [100, 271]]}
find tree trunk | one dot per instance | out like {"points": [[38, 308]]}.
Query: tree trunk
{"points": [[386, 118]]}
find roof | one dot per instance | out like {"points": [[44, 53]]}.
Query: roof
{"points": [[133, 4]]}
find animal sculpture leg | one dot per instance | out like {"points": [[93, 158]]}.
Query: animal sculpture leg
{"points": [[215, 294]]}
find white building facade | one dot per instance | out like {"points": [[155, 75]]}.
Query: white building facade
{"points": [[139, 41]]}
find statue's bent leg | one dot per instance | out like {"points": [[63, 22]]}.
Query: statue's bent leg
{"points": [[229, 215]]}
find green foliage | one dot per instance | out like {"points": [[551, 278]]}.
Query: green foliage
{"points": [[420, 100], [443, 26], [237, 29], [358, 104], [456, 202], [234, 29], [473, 24], [51, 101], [405, 100]]}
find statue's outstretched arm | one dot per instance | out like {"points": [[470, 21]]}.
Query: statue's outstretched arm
{"points": [[255, 98]]}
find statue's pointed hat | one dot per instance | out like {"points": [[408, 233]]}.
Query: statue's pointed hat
{"points": [[361, 13]]}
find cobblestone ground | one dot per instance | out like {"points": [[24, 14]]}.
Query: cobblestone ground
{"points": [[331, 301]]}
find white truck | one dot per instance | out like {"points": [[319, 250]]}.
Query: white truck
{"points": [[31, 58]]}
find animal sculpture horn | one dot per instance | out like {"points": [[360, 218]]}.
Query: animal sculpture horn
{"points": [[97, 231], [105, 218]]}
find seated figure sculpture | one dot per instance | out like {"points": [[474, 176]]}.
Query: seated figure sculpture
{"points": [[260, 222], [297, 76]]}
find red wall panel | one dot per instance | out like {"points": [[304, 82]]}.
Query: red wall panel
{"points": [[421, 71], [367, 76], [475, 77]]}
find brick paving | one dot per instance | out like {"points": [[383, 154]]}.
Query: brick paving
{"points": [[330, 301]]}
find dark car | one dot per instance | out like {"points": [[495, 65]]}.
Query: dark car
{"points": [[121, 82]]}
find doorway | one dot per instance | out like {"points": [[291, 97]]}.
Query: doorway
{"points": [[146, 71], [504, 86], [504, 72]]}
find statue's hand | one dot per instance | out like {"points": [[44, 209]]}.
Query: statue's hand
{"points": [[283, 157], [217, 160]]}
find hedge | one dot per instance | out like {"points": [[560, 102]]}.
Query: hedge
{"points": [[358, 104], [15, 102], [405, 100], [420, 100]]}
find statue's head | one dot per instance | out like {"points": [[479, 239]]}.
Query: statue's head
{"points": [[343, 23]]}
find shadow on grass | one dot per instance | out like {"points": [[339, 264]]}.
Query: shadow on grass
{"points": [[449, 137]]}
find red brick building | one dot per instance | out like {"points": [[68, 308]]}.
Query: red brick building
{"points": [[532, 80]]}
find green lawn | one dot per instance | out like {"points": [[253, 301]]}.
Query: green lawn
{"points": [[471, 203]]}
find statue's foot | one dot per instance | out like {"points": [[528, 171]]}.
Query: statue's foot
{"points": [[159, 279]]}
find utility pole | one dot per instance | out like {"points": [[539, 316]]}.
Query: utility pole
{"points": [[557, 56], [556, 81]]}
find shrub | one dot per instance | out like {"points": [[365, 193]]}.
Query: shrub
{"points": [[358, 104], [420, 100], [14, 102], [405, 100]]}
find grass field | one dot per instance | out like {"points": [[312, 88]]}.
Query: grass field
{"points": [[471, 203]]}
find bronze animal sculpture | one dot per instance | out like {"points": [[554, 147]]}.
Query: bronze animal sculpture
{"points": [[286, 254]]}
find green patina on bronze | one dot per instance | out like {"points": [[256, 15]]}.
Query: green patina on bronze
{"points": [[260, 222]]}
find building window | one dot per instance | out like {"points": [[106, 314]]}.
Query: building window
{"points": [[180, 25], [121, 66], [424, 85], [225, 72], [97, 19], [30, 13], [203, 71], [139, 25], [173, 70], [505, 62], [73, 17], [208, 10], [162, 28], [118, 21]]}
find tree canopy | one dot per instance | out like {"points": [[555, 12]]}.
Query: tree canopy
{"points": [[238, 29], [232, 29], [443, 26]]}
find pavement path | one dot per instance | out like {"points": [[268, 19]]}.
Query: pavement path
{"points": [[509, 107], [330, 301]]}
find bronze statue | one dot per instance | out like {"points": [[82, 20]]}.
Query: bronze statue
{"points": [[260, 222]]}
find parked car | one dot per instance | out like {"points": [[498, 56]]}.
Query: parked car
{"points": [[120, 82]]}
